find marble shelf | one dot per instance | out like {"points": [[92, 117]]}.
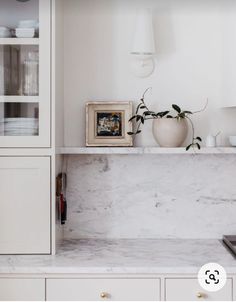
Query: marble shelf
{"points": [[142, 150], [124, 256]]}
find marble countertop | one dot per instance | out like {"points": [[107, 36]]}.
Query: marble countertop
{"points": [[125, 256]]}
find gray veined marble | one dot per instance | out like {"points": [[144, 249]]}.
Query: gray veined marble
{"points": [[124, 256], [151, 196]]}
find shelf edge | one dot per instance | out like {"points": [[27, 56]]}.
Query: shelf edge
{"points": [[141, 150]]}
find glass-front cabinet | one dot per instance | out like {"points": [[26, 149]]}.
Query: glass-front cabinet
{"points": [[25, 74]]}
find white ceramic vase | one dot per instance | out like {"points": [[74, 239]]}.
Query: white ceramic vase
{"points": [[170, 132]]}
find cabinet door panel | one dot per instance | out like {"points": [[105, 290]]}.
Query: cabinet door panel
{"points": [[25, 80], [25, 205], [22, 289], [190, 290], [94, 289]]}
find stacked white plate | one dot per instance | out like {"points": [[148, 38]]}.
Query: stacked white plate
{"points": [[19, 127], [1, 127], [27, 28], [5, 32]]}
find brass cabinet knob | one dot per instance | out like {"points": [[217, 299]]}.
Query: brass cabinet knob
{"points": [[104, 295], [200, 295]]}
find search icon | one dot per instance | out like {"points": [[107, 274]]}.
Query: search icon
{"points": [[212, 277]]}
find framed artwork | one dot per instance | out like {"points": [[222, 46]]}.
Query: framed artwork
{"points": [[107, 124]]}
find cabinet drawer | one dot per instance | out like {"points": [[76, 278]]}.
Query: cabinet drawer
{"points": [[22, 289], [189, 289], [103, 289]]}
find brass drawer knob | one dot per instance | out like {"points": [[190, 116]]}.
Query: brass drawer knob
{"points": [[104, 295], [200, 295]]}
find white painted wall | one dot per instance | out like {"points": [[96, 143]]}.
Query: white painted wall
{"points": [[189, 62], [58, 69], [229, 55]]}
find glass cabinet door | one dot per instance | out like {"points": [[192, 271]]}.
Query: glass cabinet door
{"points": [[19, 119], [25, 78], [19, 70]]}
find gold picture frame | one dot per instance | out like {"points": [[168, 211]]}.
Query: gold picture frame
{"points": [[107, 124]]}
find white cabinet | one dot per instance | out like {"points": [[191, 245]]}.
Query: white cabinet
{"points": [[189, 290], [22, 289], [26, 183], [25, 205], [126, 288], [25, 70], [103, 289]]}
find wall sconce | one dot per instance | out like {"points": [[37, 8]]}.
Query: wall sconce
{"points": [[143, 49]]}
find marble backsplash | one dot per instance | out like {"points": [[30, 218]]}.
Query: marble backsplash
{"points": [[151, 196]]}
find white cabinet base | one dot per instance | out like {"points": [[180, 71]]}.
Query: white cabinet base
{"points": [[22, 289], [189, 290], [103, 289], [110, 287]]}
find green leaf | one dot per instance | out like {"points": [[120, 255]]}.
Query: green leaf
{"points": [[188, 147], [199, 147], [147, 113], [139, 131], [143, 107], [169, 116], [162, 114], [199, 138], [142, 120], [187, 112], [130, 133], [138, 117], [133, 117], [138, 107], [176, 108]]}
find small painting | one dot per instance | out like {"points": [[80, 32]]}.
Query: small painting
{"points": [[107, 124]]}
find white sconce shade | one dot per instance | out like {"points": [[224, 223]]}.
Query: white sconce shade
{"points": [[144, 43], [143, 48]]}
